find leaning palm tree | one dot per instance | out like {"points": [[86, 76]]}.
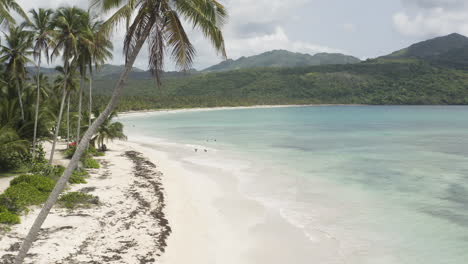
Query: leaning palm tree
{"points": [[68, 23], [6, 18], [158, 23], [40, 26], [15, 54]]}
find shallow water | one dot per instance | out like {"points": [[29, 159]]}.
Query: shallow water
{"points": [[389, 184]]}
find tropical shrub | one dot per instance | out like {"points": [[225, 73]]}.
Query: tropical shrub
{"points": [[73, 200], [68, 153], [17, 197], [90, 163], [78, 177], [43, 168], [42, 183], [11, 159], [7, 217]]}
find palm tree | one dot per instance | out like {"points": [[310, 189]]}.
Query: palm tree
{"points": [[6, 6], [15, 53], [70, 81], [108, 131], [84, 60], [41, 28], [101, 53], [68, 24], [156, 22]]}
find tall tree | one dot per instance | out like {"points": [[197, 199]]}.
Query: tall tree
{"points": [[84, 62], [102, 52], [15, 53], [67, 23], [156, 22], [40, 26], [70, 81], [6, 18]]}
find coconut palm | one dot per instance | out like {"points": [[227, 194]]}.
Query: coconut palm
{"points": [[15, 54], [40, 25], [158, 23], [68, 23], [6, 6], [102, 52], [108, 131], [70, 81], [84, 61]]}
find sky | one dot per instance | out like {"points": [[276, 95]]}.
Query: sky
{"points": [[362, 28]]}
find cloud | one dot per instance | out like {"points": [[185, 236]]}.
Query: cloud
{"points": [[254, 26], [430, 4], [430, 18]]}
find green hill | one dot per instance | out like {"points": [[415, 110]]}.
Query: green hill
{"points": [[450, 50], [282, 58], [412, 82], [430, 72]]}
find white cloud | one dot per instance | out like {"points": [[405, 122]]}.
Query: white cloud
{"points": [[254, 26], [433, 22], [428, 18]]}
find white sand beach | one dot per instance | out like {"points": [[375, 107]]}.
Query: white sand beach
{"points": [[208, 219]]}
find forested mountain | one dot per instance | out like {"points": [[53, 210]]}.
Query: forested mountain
{"points": [[404, 82], [430, 72], [282, 58], [450, 50]]}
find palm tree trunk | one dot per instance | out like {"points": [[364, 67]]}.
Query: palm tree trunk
{"points": [[61, 183], [90, 97], [59, 120], [38, 98], [18, 87], [68, 118], [79, 110]]}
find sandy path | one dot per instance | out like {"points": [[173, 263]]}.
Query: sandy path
{"points": [[129, 225]]}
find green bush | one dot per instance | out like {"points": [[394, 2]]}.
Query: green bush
{"points": [[73, 200], [17, 197], [43, 168], [91, 151], [12, 160], [90, 163], [78, 177], [26, 190], [99, 154], [42, 183], [40, 154], [68, 153], [7, 217]]}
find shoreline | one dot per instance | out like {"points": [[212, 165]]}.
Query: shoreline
{"points": [[129, 224], [204, 191], [200, 109]]}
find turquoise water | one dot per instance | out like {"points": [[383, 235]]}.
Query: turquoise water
{"points": [[389, 183]]}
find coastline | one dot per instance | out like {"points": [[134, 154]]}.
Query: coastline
{"points": [[128, 225], [213, 221], [201, 109], [205, 216]]}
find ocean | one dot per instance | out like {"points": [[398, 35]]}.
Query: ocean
{"points": [[385, 184]]}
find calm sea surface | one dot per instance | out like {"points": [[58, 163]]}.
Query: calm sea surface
{"points": [[388, 183]]}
